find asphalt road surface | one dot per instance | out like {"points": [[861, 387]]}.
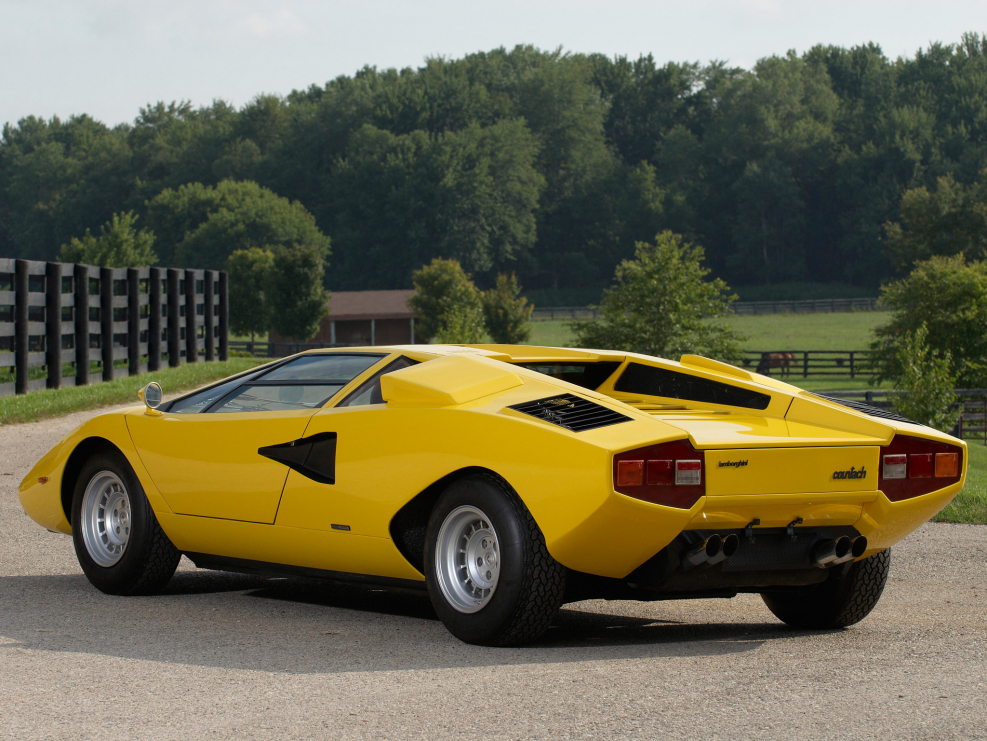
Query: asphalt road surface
{"points": [[227, 656]]}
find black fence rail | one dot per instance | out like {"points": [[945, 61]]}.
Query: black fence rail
{"points": [[267, 349], [64, 324], [815, 306], [805, 363], [972, 404], [569, 313]]}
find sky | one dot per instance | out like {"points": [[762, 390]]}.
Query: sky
{"points": [[109, 58]]}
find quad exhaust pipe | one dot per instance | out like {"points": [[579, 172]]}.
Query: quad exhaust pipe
{"points": [[711, 551], [829, 553]]}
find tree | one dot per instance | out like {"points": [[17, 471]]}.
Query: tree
{"points": [[949, 297], [661, 305], [249, 273], [200, 226], [950, 220], [926, 382], [446, 303], [295, 296], [119, 245], [506, 315]]}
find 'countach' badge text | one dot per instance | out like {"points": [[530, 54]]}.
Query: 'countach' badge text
{"points": [[853, 473]]}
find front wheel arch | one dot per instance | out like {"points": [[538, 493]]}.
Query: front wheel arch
{"points": [[73, 467]]}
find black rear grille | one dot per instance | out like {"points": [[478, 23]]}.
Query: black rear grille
{"points": [[572, 412], [867, 409]]}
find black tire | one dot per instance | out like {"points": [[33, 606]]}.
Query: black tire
{"points": [[845, 598], [531, 584], [149, 559]]}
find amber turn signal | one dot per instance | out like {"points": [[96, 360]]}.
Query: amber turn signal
{"points": [[630, 473], [947, 464], [42, 479]]}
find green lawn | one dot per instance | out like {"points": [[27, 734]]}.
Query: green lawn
{"points": [[55, 403]]}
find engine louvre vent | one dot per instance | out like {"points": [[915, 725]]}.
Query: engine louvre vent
{"points": [[572, 412], [867, 409]]}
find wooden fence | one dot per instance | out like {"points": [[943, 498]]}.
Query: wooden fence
{"points": [[972, 404], [805, 363], [64, 324]]}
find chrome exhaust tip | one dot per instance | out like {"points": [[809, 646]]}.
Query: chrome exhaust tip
{"points": [[832, 552], [702, 553], [728, 546]]}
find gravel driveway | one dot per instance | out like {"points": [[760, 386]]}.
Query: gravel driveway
{"points": [[227, 656]]}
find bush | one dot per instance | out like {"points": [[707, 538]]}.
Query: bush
{"points": [[660, 305], [505, 314], [926, 381], [949, 298], [446, 303], [119, 245]]}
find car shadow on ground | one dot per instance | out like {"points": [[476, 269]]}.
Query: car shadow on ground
{"points": [[299, 626]]}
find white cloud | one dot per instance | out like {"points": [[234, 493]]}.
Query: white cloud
{"points": [[265, 25]]}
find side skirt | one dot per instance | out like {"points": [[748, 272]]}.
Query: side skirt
{"points": [[263, 568]]}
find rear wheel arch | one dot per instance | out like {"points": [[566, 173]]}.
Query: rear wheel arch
{"points": [[409, 524], [73, 467]]}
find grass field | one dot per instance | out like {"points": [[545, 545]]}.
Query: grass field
{"points": [[55, 403], [844, 331]]}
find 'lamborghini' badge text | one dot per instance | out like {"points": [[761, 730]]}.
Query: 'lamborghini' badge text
{"points": [[853, 473], [732, 464]]}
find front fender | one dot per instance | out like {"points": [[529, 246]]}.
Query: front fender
{"points": [[46, 503]]}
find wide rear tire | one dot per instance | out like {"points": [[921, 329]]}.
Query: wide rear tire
{"points": [[490, 577], [845, 598], [118, 541]]}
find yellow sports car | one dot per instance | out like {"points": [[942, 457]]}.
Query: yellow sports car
{"points": [[505, 480]]}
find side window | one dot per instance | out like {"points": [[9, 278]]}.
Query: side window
{"points": [[307, 382], [368, 392]]}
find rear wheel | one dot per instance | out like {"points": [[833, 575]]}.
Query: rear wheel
{"points": [[846, 597], [489, 575], [118, 541]]}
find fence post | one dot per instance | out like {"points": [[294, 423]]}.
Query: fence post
{"points": [[805, 365], [224, 316], [851, 364], [207, 320], [133, 321], [81, 325], [53, 324], [191, 346], [106, 320], [869, 397], [21, 287], [174, 349], [154, 320]]}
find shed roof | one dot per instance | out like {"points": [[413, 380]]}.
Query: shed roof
{"points": [[370, 305]]}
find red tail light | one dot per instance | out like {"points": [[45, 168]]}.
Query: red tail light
{"points": [[911, 466], [672, 474]]}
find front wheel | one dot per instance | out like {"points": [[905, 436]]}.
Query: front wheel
{"points": [[846, 597], [118, 541], [489, 574]]}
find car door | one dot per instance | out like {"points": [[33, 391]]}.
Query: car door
{"points": [[204, 451], [355, 499]]}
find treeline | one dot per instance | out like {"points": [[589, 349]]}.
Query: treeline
{"points": [[545, 164]]}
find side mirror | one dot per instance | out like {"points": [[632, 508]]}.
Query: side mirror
{"points": [[151, 395]]}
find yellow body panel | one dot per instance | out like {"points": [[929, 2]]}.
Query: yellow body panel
{"points": [[214, 494], [207, 464], [790, 471]]}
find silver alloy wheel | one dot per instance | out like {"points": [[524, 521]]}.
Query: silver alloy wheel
{"points": [[106, 518], [467, 559]]}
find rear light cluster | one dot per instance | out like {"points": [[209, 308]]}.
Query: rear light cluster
{"points": [[672, 474], [911, 466]]}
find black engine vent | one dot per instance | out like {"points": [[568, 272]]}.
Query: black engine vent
{"points": [[572, 412], [651, 381], [867, 409]]}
